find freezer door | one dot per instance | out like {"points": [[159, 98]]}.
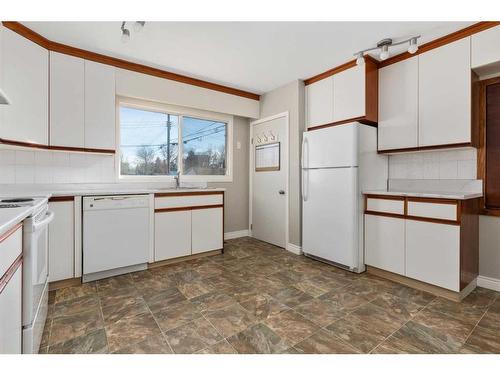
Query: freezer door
{"points": [[330, 215], [336, 146]]}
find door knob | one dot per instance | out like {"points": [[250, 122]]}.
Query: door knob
{"points": [[281, 192]]}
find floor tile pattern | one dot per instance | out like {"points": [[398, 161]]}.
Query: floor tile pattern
{"points": [[258, 298]]}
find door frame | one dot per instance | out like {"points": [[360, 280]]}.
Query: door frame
{"points": [[286, 167]]}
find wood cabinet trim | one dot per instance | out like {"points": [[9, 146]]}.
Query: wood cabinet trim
{"points": [[425, 148], [480, 107], [363, 120], [55, 148], [188, 208], [10, 232], [447, 39], [65, 198], [26, 32], [4, 280], [187, 193], [387, 197]]}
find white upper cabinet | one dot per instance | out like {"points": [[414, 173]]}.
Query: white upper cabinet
{"points": [[319, 102], [445, 95], [398, 105], [349, 94], [66, 100], [486, 47], [99, 106], [25, 80]]}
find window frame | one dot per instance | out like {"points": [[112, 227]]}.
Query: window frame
{"points": [[181, 112]]}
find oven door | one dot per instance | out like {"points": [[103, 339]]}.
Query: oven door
{"points": [[36, 260]]}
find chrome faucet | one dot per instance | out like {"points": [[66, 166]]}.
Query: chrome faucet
{"points": [[177, 179]]}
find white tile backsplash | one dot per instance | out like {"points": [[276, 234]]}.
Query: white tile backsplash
{"points": [[47, 167], [434, 165]]}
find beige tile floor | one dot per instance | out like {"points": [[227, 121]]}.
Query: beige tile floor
{"points": [[258, 298]]}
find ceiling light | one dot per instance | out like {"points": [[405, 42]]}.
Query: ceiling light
{"points": [[383, 48], [413, 47], [138, 25], [125, 33], [360, 60], [384, 52]]}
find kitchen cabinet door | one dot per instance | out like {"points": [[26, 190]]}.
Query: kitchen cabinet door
{"points": [[207, 230], [99, 106], [62, 241], [349, 94], [485, 47], [172, 234], [11, 315], [25, 81], [398, 105], [433, 253], [319, 102], [66, 100], [385, 243], [444, 95]]}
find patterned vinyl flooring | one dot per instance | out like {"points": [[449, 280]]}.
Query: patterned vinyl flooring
{"points": [[258, 298]]}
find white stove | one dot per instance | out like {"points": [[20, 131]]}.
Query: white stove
{"points": [[35, 267]]}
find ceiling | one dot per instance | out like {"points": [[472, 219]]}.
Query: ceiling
{"points": [[252, 56]]}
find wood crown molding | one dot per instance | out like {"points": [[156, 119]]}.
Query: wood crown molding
{"points": [[463, 33], [26, 32]]}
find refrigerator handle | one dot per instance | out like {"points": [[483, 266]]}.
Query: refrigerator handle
{"points": [[305, 172], [304, 144]]}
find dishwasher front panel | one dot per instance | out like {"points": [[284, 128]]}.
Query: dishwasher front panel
{"points": [[115, 232]]}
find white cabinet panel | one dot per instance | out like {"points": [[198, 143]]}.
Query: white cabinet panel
{"points": [[207, 230], [10, 248], [485, 47], [349, 94], [319, 102], [188, 200], [433, 253], [11, 315], [385, 243], [444, 211], [445, 95], [25, 80], [172, 234], [62, 241], [66, 100], [398, 105], [99, 106], [392, 206]]}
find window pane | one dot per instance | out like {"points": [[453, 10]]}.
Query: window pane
{"points": [[204, 146], [149, 142]]}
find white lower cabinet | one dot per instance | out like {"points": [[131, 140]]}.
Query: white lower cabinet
{"points": [[433, 253], [187, 224], [62, 241], [172, 234], [385, 243], [207, 230], [11, 315]]}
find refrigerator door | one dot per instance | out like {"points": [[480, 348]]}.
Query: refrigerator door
{"points": [[336, 146], [330, 215]]}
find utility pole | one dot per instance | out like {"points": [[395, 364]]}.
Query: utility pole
{"points": [[168, 144]]}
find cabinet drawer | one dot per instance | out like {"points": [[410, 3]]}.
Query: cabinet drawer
{"points": [[175, 201], [11, 246], [434, 210], [386, 205]]}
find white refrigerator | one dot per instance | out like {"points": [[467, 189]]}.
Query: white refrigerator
{"points": [[338, 163]]}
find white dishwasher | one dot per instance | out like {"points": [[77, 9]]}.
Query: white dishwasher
{"points": [[115, 235]]}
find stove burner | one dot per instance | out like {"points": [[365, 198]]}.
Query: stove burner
{"points": [[17, 200], [9, 205]]}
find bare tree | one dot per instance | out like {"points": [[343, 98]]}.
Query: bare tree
{"points": [[145, 156]]}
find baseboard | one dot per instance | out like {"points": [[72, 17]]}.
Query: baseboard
{"points": [[488, 283], [237, 234], [294, 248]]}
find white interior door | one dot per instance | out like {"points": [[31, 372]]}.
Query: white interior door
{"points": [[269, 183]]}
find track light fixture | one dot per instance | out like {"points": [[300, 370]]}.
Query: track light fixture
{"points": [[138, 26], [383, 47]]}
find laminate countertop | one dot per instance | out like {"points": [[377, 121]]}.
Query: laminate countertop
{"points": [[429, 194]]}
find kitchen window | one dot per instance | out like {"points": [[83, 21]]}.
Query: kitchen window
{"points": [[159, 141]]}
